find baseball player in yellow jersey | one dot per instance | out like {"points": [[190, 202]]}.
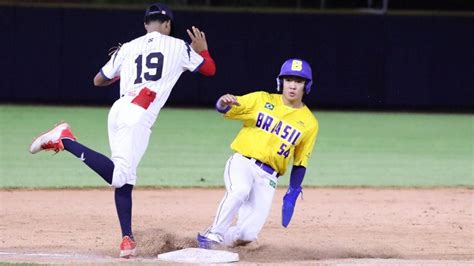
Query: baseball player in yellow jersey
{"points": [[277, 129]]}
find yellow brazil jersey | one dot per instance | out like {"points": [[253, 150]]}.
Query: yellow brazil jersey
{"points": [[273, 132]]}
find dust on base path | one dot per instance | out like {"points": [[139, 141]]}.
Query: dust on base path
{"points": [[370, 226]]}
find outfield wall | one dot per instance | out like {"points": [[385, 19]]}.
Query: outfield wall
{"points": [[51, 54]]}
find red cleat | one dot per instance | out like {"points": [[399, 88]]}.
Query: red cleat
{"points": [[127, 248], [51, 140]]}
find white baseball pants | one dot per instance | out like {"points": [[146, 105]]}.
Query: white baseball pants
{"points": [[250, 192], [129, 127]]}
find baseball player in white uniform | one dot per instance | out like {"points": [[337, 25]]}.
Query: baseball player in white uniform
{"points": [[148, 67]]}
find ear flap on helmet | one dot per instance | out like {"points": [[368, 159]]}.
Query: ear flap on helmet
{"points": [[308, 86]]}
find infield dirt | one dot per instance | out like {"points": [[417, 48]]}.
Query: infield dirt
{"points": [[330, 225]]}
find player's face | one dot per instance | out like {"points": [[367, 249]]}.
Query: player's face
{"points": [[293, 89]]}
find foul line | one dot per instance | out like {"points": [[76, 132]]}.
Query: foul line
{"points": [[56, 255]]}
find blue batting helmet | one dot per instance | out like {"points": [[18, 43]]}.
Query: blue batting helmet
{"points": [[296, 67]]}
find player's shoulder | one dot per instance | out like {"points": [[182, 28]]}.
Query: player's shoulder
{"points": [[168, 38], [139, 38], [155, 36], [133, 43], [270, 97], [310, 116], [257, 95], [261, 94]]}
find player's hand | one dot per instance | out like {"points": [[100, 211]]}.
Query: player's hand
{"points": [[289, 202], [198, 39], [100, 81], [228, 100]]}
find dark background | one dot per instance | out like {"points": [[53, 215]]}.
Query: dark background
{"points": [[360, 60]]}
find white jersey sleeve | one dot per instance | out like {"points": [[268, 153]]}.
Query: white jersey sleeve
{"points": [[112, 68], [191, 60]]}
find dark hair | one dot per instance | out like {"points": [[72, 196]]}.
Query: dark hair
{"points": [[160, 18], [157, 17]]}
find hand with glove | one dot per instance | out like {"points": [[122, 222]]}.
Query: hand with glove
{"points": [[114, 49], [294, 190], [289, 202]]}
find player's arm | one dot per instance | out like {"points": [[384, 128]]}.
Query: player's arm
{"points": [[226, 102], [110, 72], [100, 80], [199, 44], [294, 190], [301, 159]]}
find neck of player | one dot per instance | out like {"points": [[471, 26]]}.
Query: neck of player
{"points": [[293, 103]]}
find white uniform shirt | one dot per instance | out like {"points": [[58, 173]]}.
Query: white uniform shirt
{"points": [[155, 61]]}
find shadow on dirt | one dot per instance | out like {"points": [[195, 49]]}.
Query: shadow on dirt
{"points": [[267, 253], [156, 241]]}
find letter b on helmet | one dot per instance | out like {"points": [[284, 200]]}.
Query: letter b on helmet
{"points": [[296, 67]]}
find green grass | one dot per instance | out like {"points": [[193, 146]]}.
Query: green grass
{"points": [[189, 147]]}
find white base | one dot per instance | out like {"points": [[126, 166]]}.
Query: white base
{"points": [[199, 255]]}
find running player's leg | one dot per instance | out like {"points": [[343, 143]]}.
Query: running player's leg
{"points": [[254, 213], [123, 181], [129, 133], [233, 235], [98, 162], [123, 204], [238, 181], [129, 139]]}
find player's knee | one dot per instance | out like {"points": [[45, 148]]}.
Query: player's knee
{"points": [[239, 195], [122, 174], [118, 181], [243, 238], [231, 236], [237, 237], [248, 236]]}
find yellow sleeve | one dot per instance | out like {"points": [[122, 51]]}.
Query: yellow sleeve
{"points": [[247, 105], [305, 148]]}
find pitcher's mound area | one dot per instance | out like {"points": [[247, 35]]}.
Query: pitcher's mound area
{"points": [[199, 255]]}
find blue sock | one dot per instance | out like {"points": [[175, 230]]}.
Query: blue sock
{"points": [[96, 161], [123, 202]]}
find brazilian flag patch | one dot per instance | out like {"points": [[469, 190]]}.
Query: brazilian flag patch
{"points": [[269, 106]]}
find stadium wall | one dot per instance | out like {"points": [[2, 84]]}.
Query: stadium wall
{"points": [[50, 55]]}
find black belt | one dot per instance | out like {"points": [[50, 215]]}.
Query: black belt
{"points": [[265, 167]]}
